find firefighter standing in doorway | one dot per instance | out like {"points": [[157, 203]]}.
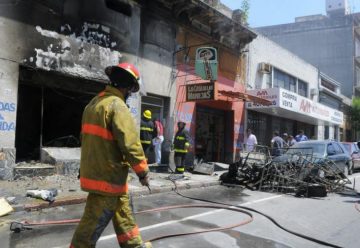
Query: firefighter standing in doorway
{"points": [[110, 145], [147, 132], [181, 145]]}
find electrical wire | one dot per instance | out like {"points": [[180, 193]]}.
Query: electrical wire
{"points": [[258, 212]]}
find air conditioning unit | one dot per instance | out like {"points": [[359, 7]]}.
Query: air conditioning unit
{"points": [[314, 91], [264, 68]]}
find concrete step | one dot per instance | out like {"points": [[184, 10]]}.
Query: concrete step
{"points": [[33, 170], [66, 160]]}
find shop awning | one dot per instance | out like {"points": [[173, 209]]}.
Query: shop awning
{"points": [[235, 96]]}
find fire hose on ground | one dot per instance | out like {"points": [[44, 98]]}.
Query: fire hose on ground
{"points": [[27, 225]]}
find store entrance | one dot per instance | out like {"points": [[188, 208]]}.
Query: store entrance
{"points": [[210, 134]]}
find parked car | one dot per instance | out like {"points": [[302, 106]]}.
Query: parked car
{"points": [[319, 150], [354, 151]]}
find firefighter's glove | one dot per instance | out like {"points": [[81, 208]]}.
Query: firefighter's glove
{"points": [[144, 181]]}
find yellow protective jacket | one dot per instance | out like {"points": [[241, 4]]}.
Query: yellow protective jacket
{"points": [[110, 145]]}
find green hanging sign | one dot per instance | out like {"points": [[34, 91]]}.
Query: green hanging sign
{"points": [[206, 63]]}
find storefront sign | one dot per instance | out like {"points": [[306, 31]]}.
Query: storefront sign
{"points": [[268, 94], [206, 63], [196, 92], [293, 102]]}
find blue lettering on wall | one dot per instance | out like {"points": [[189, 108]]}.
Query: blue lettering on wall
{"points": [[133, 110], [6, 106], [7, 126]]}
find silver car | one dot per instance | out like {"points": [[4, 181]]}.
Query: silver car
{"points": [[322, 149]]}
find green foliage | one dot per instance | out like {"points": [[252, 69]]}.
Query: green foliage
{"points": [[245, 7], [355, 111]]}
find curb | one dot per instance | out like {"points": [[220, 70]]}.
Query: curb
{"points": [[71, 200]]}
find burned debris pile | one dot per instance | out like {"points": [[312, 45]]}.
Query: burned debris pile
{"points": [[299, 172]]}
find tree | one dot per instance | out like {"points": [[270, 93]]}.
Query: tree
{"points": [[245, 7], [355, 116]]}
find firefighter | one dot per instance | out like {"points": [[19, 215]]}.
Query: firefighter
{"points": [[181, 145], [147, 132], [110, 145]]}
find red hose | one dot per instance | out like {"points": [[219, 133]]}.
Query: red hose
{"points": [[73, 221]]}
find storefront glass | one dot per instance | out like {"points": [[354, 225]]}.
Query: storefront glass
{"points": [[264, 125]]}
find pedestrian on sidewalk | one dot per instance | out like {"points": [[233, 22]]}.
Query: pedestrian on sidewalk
{"points": [[291, 141], [250, 141], [158, 140], [277, 144], [285, 137], [110, 145], [147, 132], [301, 136], [181, 145]]}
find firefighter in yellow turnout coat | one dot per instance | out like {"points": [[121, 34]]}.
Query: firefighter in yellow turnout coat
{"points": [[110, 145]]}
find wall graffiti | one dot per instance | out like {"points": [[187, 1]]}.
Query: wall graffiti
{"points": [[238, 135], [6, 125], [132, 102], [183, 116]]}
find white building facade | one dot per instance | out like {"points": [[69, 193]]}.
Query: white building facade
{"points": [[292, 85]]}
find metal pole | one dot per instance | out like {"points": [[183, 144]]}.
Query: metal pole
{"points": [[42, 118]]}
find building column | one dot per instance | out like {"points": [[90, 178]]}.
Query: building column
{"points": [[9, 77], [319, 132], [331, 132]]}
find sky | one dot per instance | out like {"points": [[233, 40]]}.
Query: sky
{"points": [[273, 12]]}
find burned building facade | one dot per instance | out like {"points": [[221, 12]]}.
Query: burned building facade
{"points": [[54, 53]]}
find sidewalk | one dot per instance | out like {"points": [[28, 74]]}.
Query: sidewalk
{"points": [[69, 191]]}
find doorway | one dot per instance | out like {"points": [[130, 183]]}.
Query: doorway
{"points": [[49, 113], [210, 134]]}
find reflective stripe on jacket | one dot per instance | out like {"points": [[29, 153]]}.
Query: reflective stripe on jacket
{"points": [[181, 141], [147, 131], [110, 145]]}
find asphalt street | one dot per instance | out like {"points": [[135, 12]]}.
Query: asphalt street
{"points": [[333, 219]]}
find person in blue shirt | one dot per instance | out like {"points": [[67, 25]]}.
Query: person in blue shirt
{"points": [[301, 136]]}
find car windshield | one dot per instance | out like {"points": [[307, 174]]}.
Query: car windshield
{"points": [[347, 147], [315, 149]]}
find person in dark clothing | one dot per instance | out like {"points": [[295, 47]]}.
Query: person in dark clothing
{"points": [[147, 132], [181, 145]]}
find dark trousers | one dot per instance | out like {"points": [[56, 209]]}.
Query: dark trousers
{"points": [[179, 159], [146, 148]]}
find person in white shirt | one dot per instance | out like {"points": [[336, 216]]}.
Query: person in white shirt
{"points": [[251, 140]]}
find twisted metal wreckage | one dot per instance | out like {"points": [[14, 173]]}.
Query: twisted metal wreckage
{"points": [[299, 172]]}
